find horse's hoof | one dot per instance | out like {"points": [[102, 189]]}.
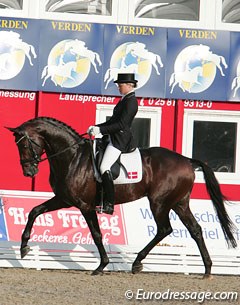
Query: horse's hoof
{"points": [[97, 272], [208, 277], [24, 251], [136, 268]]}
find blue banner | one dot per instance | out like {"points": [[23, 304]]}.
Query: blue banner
{"points": [[197, 64], [135, 49], [19, 41], [85, 58], [71, 57]]}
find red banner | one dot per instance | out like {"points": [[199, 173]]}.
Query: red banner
{"points": [[62, 226]]}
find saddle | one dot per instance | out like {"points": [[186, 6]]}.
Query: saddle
{"points": [[120, 172], [100, 147], [126, 169]]}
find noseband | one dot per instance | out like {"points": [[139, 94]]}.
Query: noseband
{"points": [[35, 157]]}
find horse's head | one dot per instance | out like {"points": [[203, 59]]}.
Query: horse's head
{"points": [[30, 146]]}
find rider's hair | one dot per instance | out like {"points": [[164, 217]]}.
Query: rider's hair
{"points": [[134, 85]]}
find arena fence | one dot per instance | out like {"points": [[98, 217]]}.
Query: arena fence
{"points": [[75, 257]]}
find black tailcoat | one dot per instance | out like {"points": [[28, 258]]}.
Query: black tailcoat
{"points": [[119, 125]]}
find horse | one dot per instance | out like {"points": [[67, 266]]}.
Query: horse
{"points": [[205, 55], [28, 49], [138, 49], [189, 76], [77, 47], [13, 39], [217, 60], [63, 70], [168, 179]]}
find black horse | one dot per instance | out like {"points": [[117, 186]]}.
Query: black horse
{"points": [[167, 182]]}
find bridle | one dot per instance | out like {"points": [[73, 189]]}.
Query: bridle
{"points": [[35, 156]]}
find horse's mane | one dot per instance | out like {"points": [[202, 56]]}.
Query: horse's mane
{"points": [[58, 124]]}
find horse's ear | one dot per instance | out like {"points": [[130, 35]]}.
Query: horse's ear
{"points": [[11, 129]]}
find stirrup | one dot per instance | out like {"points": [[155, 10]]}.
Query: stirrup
{"points": [[107, 210], [99, 209]]}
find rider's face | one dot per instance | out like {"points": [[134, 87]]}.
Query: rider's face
{"points": [[124, 88]]}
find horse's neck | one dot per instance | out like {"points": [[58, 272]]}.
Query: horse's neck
{"points": [[62, 145]]}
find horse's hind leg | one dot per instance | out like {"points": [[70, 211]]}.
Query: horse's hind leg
{"points": [[163, 229], [92, 221], [48, 206], [186, 216], [156, 68]]}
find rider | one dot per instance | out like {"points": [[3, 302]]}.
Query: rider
{"points": [[118, 127]]}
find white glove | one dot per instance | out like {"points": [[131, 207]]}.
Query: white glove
{"points": [[93, 130]]}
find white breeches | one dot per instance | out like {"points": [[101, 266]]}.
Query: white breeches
{"points": [[110, 156]]}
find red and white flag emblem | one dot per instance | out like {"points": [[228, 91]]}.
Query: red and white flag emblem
{"points": [[132, 175]]}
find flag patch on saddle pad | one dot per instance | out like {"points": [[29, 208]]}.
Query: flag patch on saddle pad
{"points": [[132, 175], [132, 163]]}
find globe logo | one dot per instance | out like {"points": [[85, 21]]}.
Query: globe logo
{"points": [[13, 51], [195, 69], [69, 63], [133, 57]]}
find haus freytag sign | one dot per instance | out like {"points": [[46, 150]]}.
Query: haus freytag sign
{"points": [[19, 39], [71, 58], [62, 226], [198, 64], [135, 49]]}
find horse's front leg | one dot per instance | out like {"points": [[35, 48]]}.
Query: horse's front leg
{"points": [[51, 205], [92, 221]]}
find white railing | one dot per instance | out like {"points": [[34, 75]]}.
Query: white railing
{"points": [[75, 257]]}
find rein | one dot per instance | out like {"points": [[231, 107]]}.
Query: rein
{"points": [[36, 158], [65, 149]]}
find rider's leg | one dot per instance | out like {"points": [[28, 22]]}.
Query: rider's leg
{"points": [[110, 156]]}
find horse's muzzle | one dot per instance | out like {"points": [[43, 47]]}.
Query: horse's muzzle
{"points": [[30, 171]]}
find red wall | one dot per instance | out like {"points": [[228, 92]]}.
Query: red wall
{"points": [[80, 112], [199, 190], [13, 111]]}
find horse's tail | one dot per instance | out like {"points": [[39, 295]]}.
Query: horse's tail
{"points": [[234, 82], [44, 72], [223, 61], [218, 200], [172, 79]]}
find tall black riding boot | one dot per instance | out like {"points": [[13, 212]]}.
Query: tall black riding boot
{"points": [[108, 189]]}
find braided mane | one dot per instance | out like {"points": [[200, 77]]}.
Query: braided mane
{"points": [[58, 124]]}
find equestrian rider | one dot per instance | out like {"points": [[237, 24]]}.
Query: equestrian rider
{"points": [[118, 127]]}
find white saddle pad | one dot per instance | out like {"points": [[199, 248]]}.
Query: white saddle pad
{"points": [[133, 164]]}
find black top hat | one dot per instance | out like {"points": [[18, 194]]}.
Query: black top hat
{"points": [[126, 78]]}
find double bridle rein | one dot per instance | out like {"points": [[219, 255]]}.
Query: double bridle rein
{"points": [[35, 157]]}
